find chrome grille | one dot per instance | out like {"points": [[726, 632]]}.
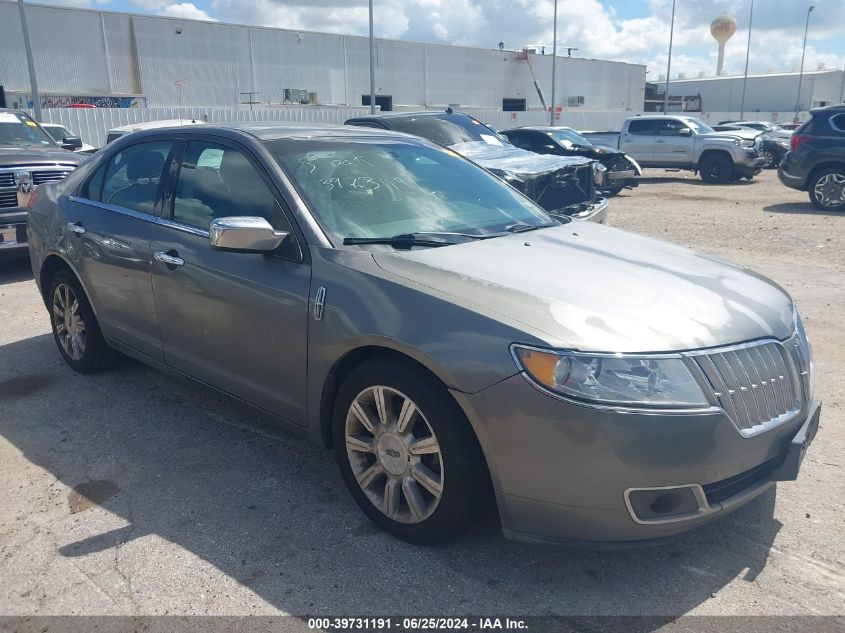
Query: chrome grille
{"points": [[8, 199], [54, 175], [7, 179], [759, 384]]}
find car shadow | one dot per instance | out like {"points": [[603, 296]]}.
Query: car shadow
{"points": [[803, 208], [270, 511], [14, 269]]}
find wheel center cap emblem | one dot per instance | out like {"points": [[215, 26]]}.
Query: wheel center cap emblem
{"points": [[392, 454]]}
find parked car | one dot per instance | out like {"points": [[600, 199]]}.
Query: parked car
{"points": [[772, 149], [115, 133], [59, 132], [773, 130], [562, 185], [684, 142], [385, 296], [816, 160], [791, 126], [623, 172], [29, 157]]}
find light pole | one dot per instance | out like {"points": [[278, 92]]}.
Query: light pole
{"points": [[747, 55], [372, 64], [810, 9], [669, 63], [554, 69], [33, 84]]}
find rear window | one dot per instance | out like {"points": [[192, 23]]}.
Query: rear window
{"points": [[446, 129]]}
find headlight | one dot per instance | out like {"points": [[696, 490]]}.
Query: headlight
{"points": [[746, 143], [613, 379], [806, 350]]}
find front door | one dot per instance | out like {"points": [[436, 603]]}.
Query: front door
{"points": [[112, 222], [670, 146], [237, 321]]}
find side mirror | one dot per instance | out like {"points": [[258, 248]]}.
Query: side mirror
{"points": [[685, 131], [71, 142], [244, 234]]}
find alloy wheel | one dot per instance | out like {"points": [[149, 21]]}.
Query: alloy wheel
{"points": [[829, 190], [394, 454], [769, 159], [68, 322]]}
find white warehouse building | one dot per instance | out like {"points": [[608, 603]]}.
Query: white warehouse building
{"points": [[764, 93], [158, 61]]}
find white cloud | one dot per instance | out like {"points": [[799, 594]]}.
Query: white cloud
{"points": [[185, 10]]}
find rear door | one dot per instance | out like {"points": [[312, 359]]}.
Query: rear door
{"points": [[638, 140], [237, 321], [111, 223]]}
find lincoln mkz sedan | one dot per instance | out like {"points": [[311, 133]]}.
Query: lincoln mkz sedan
{"points": [[445, 335]]}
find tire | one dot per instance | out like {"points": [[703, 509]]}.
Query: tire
{"points": [[827, 189], [75, 329], [391, 494], [612, 191], [716, 169], [770, 159]]}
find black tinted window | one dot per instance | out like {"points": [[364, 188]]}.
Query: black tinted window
{"points": [[641, 127], [132, 176], [669, 127], [217, 181], [838, 122]]}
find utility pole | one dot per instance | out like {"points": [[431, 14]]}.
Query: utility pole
{"points": [[747, 55], [669, 64], [33, 84], [810, 9], [554, 69], [372, 64]]}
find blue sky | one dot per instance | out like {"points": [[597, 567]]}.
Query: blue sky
{"points": [[624, 30]]}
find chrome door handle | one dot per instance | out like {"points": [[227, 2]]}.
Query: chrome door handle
{"points": [[170, 260], [75, 227]]}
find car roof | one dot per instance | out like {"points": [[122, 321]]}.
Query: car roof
{"points": [[270, 131], [152, 125], [400, 115]]}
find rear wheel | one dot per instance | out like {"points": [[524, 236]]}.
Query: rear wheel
{"points": [[406, 452], [75, 328], [769, 159], [716, 169], [827, 189]]}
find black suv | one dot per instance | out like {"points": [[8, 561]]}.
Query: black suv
{"points": [[816, 159]]}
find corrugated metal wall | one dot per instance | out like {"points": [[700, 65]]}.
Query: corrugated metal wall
{"points": [[86, 51]]}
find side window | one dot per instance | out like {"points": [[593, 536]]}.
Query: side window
{"points": [[641, 128], [93, 188], [131, 177], [216, 181], [669, 128], [520, 139], [838, 122]]}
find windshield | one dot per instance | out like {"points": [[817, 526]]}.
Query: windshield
{"points": [[446, 129], [361, 189], [19, 130], [699, 127], [569, 135]]}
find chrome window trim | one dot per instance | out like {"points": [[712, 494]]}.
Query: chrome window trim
{"points": [[185, 228], [140, 215], [832, 122], [41, 167]]}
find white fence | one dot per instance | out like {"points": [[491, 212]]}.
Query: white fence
{"points": [[92, 124]]}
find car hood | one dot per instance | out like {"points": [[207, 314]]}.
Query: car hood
{"points": [[16, 156], [748, 135], [589, 287], [514, 161]]}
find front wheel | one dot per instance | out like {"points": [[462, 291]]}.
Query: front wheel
{"points": [[827, 189], [612, 191], [716, 169], [406, 452]]}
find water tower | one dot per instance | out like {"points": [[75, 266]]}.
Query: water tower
{"points": [[722, 29]]}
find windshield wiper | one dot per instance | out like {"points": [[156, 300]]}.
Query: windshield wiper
{"points": [[406, 241], [521, 227]]}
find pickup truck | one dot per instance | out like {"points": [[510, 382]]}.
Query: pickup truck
{"points": [[29, 157], [685, 142]]}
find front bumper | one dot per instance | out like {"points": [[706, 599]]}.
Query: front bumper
{"points": [[595, 211], [13, 231], [751, 166], [564, 473]]}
